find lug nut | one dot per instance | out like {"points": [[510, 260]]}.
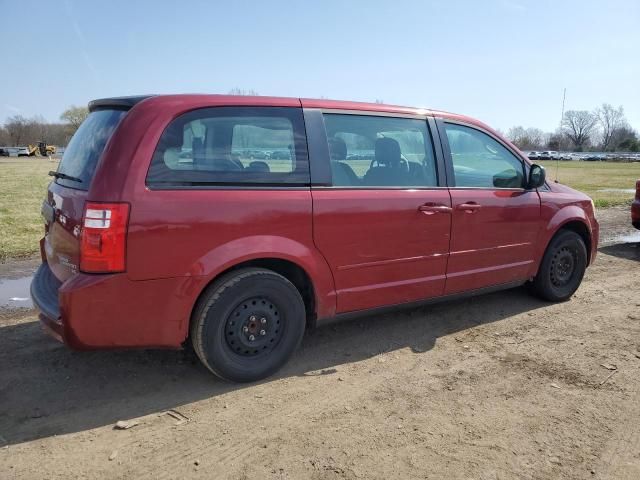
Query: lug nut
{"points": [[252, 337], [252, 318], [263, 320], [262, 332], [245, 329]]}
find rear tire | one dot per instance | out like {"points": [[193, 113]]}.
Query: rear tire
{"points": [[562, 267], [247, 324]]}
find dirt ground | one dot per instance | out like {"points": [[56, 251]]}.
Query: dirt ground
{"points": [[500, 386]]}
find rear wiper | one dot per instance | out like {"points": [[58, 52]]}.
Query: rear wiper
{"points": [[64, 176]]}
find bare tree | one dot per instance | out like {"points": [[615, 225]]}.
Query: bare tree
{"points": [[4, 137], [242, 91], [610, 119], [18, 130], [517, 136], [73, 117], [526, 139], [21, 131], [557, 141], [578, 125], [624, 138]]}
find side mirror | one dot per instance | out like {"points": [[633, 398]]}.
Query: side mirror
{"points": [[537, 177]]}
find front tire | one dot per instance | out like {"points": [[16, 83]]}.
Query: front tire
{"points": [[562, 267], [247, 324]]}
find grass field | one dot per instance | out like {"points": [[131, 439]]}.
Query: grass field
{"points": [[599, 180], [24, 184]]}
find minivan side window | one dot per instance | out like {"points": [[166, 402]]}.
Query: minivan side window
{"points": [[379, 151], [232, 145], [480, 161]]}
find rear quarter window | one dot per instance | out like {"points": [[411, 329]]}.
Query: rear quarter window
{"points": [[86, 146], [232, 146]]}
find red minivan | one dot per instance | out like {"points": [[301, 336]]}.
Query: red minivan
{"points": [[235, 223]]}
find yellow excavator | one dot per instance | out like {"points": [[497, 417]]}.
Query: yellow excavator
{"points": [[41, 149]]}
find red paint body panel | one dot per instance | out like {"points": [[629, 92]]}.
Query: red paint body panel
{"points": [[106, 311], [209, 231], [494, 244], [635, 207], [560, 206], [381, 248], [61, 245], [360, 248]]}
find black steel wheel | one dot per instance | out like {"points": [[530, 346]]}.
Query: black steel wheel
{"points": [[253, 327], [562, 267], [247, 324]]}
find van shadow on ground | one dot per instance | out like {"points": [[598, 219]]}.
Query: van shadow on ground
{"points": [[48, 390], [629, 251]]}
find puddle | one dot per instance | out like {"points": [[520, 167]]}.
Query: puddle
{"points": [[618, 190], [14, 293], [633, 237]]}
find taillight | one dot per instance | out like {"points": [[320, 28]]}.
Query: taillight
{"points": [[103, 239], [637, 189]]}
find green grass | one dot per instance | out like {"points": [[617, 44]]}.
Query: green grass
{"points": [[595, 178], [24, 183], [23, 186]]}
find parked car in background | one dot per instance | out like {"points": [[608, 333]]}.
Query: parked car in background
{"points": [[259, 154], [23, 151], [635, 207], [281, 155], [239, 258], [11, 151], [533, 155]]}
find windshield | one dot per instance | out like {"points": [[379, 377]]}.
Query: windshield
{"points": [[83, 152]]}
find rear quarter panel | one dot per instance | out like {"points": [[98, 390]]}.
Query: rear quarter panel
{"points": [[201, 233]]}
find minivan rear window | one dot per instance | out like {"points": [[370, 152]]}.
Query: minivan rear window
{"points": [[232, 146], [87, 144]]}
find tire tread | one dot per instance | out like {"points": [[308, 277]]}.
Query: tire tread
{"points": [[540, 285], [208, 299]]}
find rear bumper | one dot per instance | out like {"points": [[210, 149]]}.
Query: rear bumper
{"points": [[595, 240], [44, 293], [89, 312], [635, 214]]}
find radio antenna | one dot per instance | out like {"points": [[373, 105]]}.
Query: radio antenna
{"points": [[564, 96]]}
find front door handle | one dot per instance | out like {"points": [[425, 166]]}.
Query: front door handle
{"points": [[430, 209], [468, 207]]}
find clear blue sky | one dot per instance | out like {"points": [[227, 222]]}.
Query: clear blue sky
{"points": [[502, 61]]}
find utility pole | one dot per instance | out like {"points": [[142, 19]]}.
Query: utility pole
{"points": [[564, 96]]}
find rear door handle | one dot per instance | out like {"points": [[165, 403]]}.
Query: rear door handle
{"points": [[430, 209], [468, 207]]}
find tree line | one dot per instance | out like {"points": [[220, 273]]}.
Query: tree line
{"points": [[21, 131], [604, 129]]}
